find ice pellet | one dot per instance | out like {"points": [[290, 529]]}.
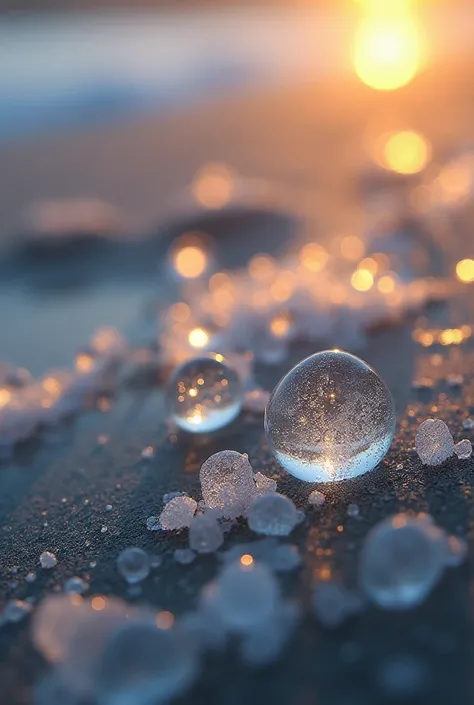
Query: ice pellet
{"points": [[316, 498], [178, 513], [334, 603], [245, 596], [434, 442], [463, 449], [48, 560], [133, 564], [205, 534], [402, 560], [272, 514], [153, 524], [227, 483]]}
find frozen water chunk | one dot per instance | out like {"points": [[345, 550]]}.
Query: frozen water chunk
{"points": [[463, 449], [263, 645], [204, 394], [334, 603], [205, 534], [434, 442], [133, 564], [153, 524], [245, 596], [171, 495], [48, 560], [265, 483], [184, 556], [402, 560], [178, 513], [76, 586], [227, 483], [330, 418], [316, 498], [272, 514], [143, 664]]}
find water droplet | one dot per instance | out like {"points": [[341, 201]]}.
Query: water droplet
{"points": [[133, 564], [184, 556], [76, 586], [273, 514], [143, 664], [246, 596], [204, 394], [205, 534], [402, 559], [330, 418]]}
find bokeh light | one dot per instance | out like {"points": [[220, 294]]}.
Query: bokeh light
{"points": [[213, 186], [465, 270], [388, 50], [198, 338], [405, 152], [362, 280]]}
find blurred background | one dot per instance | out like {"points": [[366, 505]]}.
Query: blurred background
{"points": [[130, 124]]}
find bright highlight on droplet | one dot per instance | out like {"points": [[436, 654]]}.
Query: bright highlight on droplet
{"points": [[388, 51], [406, 152], [198, 338], [465, 270]]}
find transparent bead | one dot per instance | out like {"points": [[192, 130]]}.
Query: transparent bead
{"points": [[330, 418], [204, 394], [133, 564]]}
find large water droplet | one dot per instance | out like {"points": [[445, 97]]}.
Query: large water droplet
{"points": [[330, 418]]}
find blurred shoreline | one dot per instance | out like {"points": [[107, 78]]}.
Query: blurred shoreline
{"points": [[62, 69]]}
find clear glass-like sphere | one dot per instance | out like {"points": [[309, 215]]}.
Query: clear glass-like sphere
{"points": [[330, 418], [204, 394]]}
